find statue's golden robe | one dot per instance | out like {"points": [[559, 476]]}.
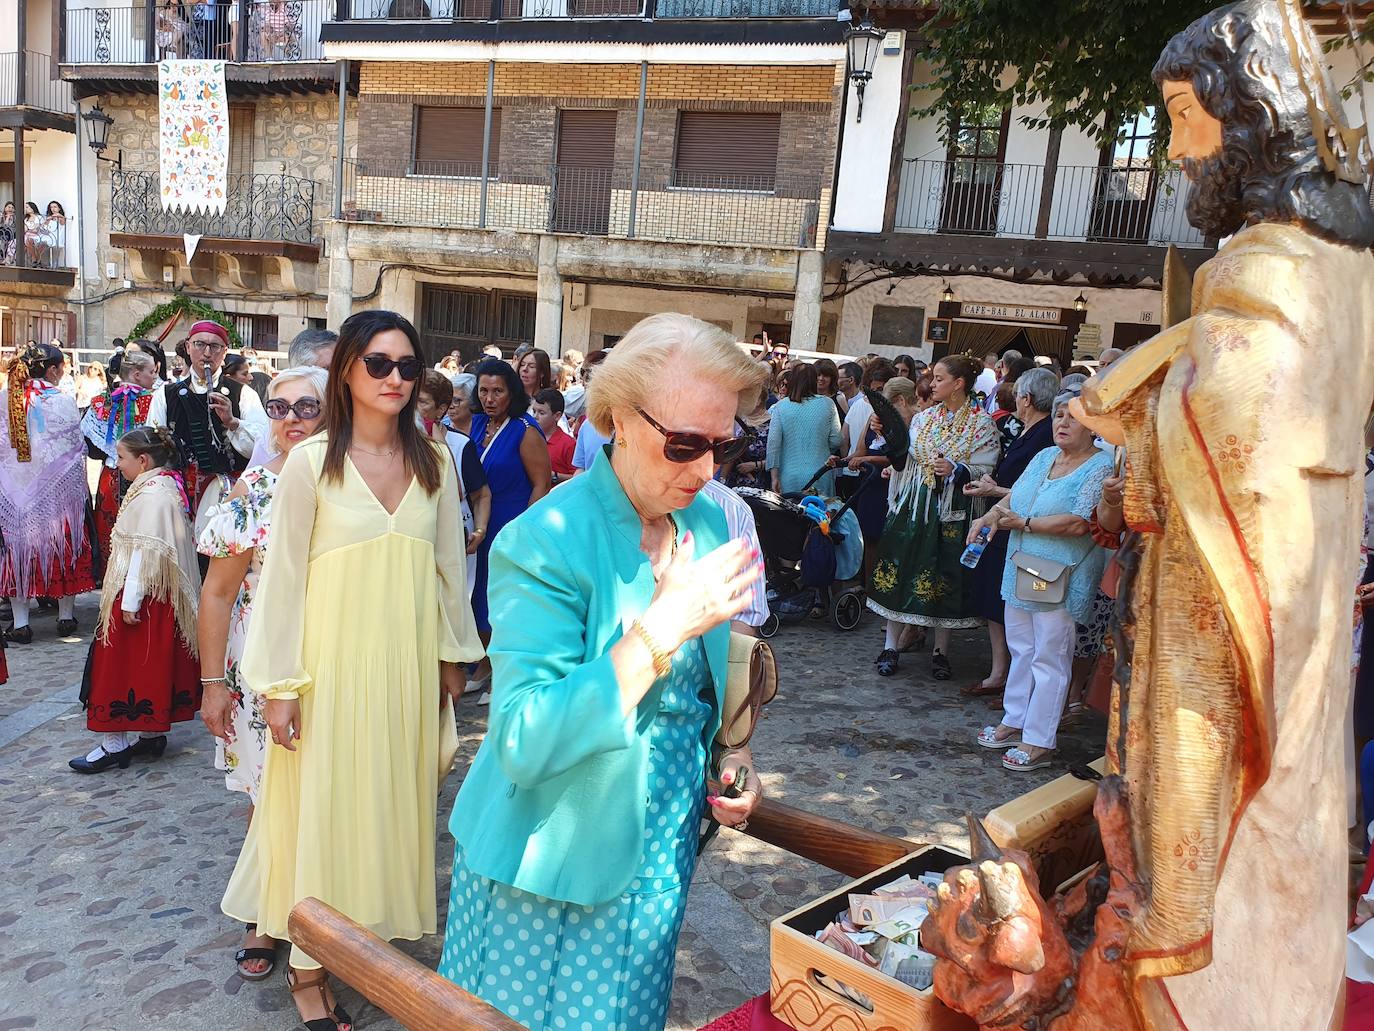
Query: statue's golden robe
{"points": [[1244, 429]]}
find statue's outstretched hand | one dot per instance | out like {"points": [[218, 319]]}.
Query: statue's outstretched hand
{"points": [[1009, 958]]}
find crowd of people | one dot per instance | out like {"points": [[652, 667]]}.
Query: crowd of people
{"points": [[251, 533], [247, 546], [1000, 487]]}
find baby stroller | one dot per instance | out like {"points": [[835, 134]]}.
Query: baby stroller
{"points": [[802, 561]]}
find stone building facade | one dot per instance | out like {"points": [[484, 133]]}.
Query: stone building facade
{"points": [[270, 275], [605, 198]]}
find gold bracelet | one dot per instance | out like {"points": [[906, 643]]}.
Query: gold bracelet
{"points": [[663, 661]]}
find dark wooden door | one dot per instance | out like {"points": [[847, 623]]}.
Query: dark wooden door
{"points": [[583, 170], [973, 174]]}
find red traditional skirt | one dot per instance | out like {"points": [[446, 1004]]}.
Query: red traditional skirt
{"points": [[4, 668], [144, 678], [68, 575], [106, 509]]}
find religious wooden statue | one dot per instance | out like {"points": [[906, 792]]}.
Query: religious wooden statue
{"points": [[1223, 901]]}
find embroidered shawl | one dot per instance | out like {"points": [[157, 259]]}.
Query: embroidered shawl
{"points": [[43, 496], [153, 522]]}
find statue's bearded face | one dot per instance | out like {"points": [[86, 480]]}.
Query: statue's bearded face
{"points": [[1195, 140]]}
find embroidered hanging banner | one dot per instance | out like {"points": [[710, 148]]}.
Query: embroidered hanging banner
{"points": [[193, 115]]}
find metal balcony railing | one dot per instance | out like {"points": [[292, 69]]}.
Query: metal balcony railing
{"points": [[510, 10], [252, 31], [665, 204], [41, 241], [259, 207], [988, 198], [40, 91]]}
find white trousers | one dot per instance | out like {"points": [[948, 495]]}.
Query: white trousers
{"points": [[1041, 646]]}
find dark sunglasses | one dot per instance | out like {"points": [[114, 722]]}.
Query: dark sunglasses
{"points": [[305, 408], [379, 366], [688, 447]]}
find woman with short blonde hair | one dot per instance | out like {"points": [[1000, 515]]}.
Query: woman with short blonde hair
{"points": [[633, 370], [577, 824]]}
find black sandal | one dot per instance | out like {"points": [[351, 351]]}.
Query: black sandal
{"points": [[246, 954], [939, 666], [337, 1019], [887, 662]]}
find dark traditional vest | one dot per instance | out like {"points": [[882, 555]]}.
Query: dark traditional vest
{"points": [[203, 438]]}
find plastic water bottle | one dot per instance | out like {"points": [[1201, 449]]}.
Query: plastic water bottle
{"points": [[974, 551]]}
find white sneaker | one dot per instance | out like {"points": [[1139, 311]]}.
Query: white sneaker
{"points": [[473, 686], [485, 698]]}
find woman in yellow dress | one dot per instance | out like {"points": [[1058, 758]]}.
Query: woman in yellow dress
{"points": [[364, 622]]}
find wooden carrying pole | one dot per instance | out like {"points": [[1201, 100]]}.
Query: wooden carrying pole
{"points": [[423, 1001], [415, 995], [835, 845]]}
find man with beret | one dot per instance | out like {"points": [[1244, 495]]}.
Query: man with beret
{"points": [[214, 420]]}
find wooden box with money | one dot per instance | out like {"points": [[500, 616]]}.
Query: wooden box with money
{"points": [[850, 960]]}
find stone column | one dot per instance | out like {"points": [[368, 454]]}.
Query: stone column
{"points": [[548, 305], [806, 307], [340, 303]]}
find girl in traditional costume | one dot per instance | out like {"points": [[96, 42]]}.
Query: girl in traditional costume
{"points": [[918, 578], [43, 493], [111, 415], [142, 674]]}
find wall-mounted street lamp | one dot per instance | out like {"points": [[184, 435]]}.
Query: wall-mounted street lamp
{"points": [[98, 135], [948, 295], [1080, 303], [863, 42]]}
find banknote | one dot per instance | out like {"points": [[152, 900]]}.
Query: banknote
{"points": [[866, 910], [906, 922]]}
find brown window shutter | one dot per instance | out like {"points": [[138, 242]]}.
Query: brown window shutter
{"points": [[586, 139], [241, 138], [727, 149], [448, 140]]}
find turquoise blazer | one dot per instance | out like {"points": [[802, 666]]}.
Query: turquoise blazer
{"points": [[555, 800]]}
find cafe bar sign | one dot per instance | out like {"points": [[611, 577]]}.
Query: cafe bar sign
{"points": [[1012, 313]]}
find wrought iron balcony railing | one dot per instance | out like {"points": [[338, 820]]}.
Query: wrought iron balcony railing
{"points": [[664, 204], [41, 242], [989, 198], [41, 90], [259, 207], [253, 31]]}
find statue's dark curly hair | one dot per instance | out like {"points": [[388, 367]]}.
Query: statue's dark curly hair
{"points": [[1269, 168]]}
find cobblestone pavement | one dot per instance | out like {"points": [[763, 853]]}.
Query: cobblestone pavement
{"points": [[110, 886]]}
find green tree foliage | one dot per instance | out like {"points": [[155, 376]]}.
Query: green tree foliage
{"points": [[1082, 59]]}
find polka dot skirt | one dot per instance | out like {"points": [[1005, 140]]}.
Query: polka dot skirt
{"points": [[556, 966]]}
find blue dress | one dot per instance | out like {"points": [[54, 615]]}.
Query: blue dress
{"points": [[557, 966], [510, 495]]}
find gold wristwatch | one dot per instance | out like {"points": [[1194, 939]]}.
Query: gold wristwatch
{"points": [[663, 661]]}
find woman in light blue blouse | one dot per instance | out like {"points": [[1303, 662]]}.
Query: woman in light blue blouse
{"points": [[1047, 515], [803, 434], [577, 824]]}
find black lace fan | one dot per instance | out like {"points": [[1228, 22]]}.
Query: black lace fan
{"points": [[896, 434]]}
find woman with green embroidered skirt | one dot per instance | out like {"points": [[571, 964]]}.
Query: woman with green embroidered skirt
{"points": [[918, 578]]}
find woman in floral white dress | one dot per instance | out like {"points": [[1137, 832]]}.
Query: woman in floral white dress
{"points": [[235, 539]]}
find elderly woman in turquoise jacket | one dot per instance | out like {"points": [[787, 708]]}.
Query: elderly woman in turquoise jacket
{"points": [[612, 598]]}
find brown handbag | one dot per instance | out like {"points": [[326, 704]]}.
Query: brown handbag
{"points": [[751, 682]]}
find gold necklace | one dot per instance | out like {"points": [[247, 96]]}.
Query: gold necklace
{"points": [[374, 454], [934, 436], [672, 551]]}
